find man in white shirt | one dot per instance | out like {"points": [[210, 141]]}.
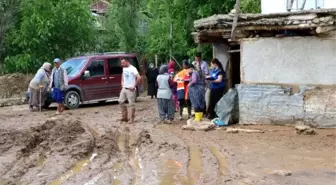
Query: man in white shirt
{"points": [[129, 80]]}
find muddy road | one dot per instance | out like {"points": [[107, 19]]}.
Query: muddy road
{"points": [[89, 146]]}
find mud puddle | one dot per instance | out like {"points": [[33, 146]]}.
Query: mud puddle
{"points": [[170, 174], [195, 164], [116, 168], [221, 159], [135, 163], [77, 168]]}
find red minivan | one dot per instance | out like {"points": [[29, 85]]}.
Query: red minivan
{"points": [[95, 78]]}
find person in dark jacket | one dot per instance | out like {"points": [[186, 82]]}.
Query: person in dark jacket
{"points": [[217, 86], [152, 74]]}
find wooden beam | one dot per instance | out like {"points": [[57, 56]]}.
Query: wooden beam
{"points": [[235, 20]]}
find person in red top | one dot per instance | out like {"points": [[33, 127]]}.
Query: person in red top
{"points": [[171, 71]]}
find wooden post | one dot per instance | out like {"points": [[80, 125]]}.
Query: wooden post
{"points": [[289, 5], [198, 47], [304, 4], [235, 20], [171, 41], [156, 61]]}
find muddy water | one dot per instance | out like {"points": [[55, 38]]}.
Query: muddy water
{"points": [[116, 167], [195, 164], [77, 168], [170, 173], [223, 163]]}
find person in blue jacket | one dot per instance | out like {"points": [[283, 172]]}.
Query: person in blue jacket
{"points": [[217, 86]]}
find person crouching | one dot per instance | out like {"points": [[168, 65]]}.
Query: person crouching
{"points": [[166, 106]]}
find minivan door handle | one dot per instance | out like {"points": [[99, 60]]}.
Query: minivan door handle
{"points": [[111, 77], [104, 78]]}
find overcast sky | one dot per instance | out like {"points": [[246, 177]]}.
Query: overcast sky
{"points": [[275, 6]]}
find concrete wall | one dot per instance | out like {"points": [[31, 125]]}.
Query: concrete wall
{"points": [[291, 60], [221, 52]]}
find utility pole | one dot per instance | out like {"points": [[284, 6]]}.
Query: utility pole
{"points": [[171, 41]]}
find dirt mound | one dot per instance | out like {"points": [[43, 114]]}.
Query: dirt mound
{"points": [[64, 137], [14, 85], [60, 136]]}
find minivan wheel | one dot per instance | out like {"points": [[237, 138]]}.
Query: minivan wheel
{"points": [[72, 99]]}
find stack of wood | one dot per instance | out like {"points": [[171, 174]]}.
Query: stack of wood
{"points": [[319, 21]]}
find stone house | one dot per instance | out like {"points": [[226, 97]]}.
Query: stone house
{"points": [[283, 65]]}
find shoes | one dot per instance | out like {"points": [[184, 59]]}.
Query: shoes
{"points": [[131, 121], [124, 114], [169, 122]]}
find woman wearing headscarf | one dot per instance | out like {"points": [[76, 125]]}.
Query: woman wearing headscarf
{"points": [[182, 79], [217, 86], [38, 86], [165, 95], [152, 74], [197, 92], [171, 71]]}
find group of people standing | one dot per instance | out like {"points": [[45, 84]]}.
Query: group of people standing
{"points": [[187, 88], [174, 91], [55, 80]]}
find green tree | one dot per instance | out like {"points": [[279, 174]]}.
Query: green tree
{"points": [[123, 23], [181, 14], [8, 18], [250, 6], [49, 29]]}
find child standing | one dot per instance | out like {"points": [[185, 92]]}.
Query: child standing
{"points": [[165, 101], [182, 78]]}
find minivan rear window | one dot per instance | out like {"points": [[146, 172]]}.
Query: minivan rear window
{"points": [[134, 62], [114, 66]]}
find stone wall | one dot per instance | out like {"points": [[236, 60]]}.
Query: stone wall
{"points": [[273, 104]]}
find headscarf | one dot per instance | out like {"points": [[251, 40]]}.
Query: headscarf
{"points": [[163, 69], [46, 66], [171, 66]]}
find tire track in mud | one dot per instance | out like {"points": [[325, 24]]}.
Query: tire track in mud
{"points": [[125, 147], [78, 167], [206, 165]]}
